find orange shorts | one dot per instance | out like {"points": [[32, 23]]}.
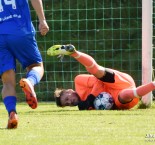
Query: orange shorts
{"points": [[121, 106]]}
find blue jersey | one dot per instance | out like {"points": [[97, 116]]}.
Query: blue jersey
{"points": [[15, 17]]}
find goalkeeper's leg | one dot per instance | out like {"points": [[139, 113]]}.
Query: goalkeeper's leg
{"points": [[89, 63], [127, 95], [85, 59]]}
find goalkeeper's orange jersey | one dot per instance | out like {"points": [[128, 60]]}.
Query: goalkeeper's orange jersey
{"points": [[86, 84]]}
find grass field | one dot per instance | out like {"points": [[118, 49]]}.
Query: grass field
{"points": [[49, 125]]}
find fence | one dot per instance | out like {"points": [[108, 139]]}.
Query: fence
{"points": [[108, 30]]}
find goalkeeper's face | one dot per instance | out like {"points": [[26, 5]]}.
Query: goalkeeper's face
{"points": [[69, 98]]}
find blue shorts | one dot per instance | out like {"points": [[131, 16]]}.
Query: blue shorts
{"points": [[22, 48]]}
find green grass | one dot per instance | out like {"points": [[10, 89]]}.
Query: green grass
{"points": [[49, 125]]}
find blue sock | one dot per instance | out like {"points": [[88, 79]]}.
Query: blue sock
{"points": [[33, 76], [10, 103]]}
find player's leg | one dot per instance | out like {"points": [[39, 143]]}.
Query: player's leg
{"points": [[9, 97], [127, 95], [7, 74], [89, 63], [85, 59], [128, 98], [30, 58], [33, 77]]}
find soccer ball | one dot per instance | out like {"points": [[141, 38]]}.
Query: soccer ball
{"points": [[103, 101]]}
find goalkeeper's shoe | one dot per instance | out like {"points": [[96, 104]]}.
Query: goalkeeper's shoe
{"points": [[13, 121], [30, 94], [61, 50]]}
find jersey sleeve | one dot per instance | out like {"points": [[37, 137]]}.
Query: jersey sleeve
{"points": [[88, 84], [84, 84]]}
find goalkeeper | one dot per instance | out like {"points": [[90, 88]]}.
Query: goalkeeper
{"points": [[120, 85]]}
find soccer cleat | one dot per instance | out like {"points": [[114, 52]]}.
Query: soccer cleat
{"points": [[13, 121], [61, 50], [30, 94]]}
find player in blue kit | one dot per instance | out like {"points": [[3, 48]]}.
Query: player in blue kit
{"points": [[17, 41]]}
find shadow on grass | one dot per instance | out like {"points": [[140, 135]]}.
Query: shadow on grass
{"points": [[84, 112], [2, 128], [65, 112], [143, 106]]}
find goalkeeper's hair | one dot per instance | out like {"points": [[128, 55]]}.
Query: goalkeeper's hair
{"points": [[57, 95]]}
